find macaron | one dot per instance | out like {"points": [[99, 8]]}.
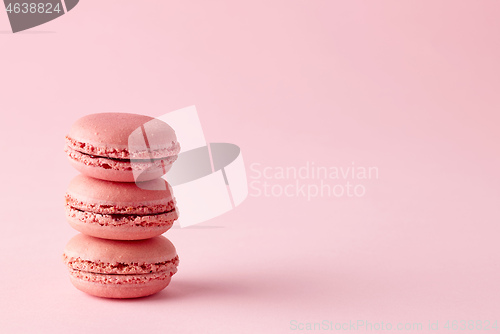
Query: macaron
{"points": [[121, 147], [120, 210], [120, 269]]}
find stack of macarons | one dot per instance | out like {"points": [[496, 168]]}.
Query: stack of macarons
{"points": [[121, 205]]}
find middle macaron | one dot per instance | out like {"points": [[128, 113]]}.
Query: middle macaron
{"points": [[120, 210]]}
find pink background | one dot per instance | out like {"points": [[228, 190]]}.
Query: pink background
{"points": [[411, 87]]}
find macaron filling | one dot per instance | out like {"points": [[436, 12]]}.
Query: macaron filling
{"points": [[123, 153], [102, 208], [119, 164], [118, 279], [156, 214], [153, 220], [120, 273], [120, 268]]}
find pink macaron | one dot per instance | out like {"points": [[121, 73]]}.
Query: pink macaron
{"points": [[120, 269], [120, 210], [121, 147]]}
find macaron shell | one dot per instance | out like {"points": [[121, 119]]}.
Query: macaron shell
{"points": [[153, 250], [115, 134], [120, 290], [130, 195]]}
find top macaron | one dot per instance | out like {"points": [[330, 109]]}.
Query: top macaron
{"points": [[121, 147]]}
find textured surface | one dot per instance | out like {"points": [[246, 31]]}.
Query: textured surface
{"points": [[118, 164], [120, 227], [121, 268], [121, 280], [120, 219]]}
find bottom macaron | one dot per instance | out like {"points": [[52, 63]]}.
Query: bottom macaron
{"points": [[120, 269]]}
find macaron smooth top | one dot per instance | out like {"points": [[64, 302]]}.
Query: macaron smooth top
{"points": [[106, 197], [137, 252], [123, 136]]}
